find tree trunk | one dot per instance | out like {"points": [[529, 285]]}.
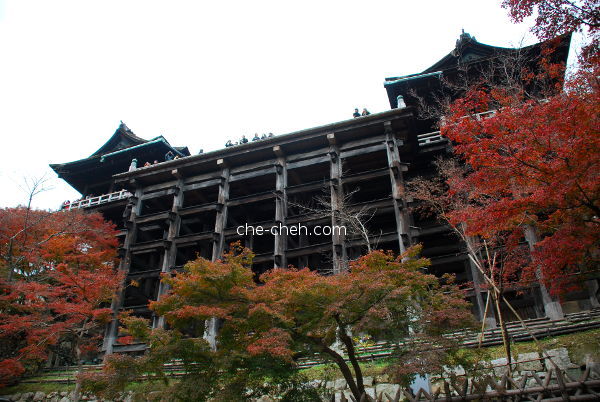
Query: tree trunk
{"points": [[352, 357], [341, 363], [76, 394]]}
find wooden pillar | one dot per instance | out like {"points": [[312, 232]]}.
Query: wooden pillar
{"points": [[170, 248], [212, 325], [551, 305], [132, 210], [477, 279], [280, 260], [221, 219], [339, 252], [398, 191]]}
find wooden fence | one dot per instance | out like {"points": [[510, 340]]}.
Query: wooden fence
{"points": [[554, 386]]}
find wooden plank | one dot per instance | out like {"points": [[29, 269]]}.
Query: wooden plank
{"points": [[301, 188], [279, 248], [152, 217], [221, 218], [373, 140], [170, 251], [363, 176], [194, 238], [213, 206], [202, 184], [339, 252], [252, 198], [202, 177], [308, 162], [306, 155], [160, 186], [308, 250], [363, 151], [252, 167], [149, 246], [160, 193], [252, 174], [398, 192]]}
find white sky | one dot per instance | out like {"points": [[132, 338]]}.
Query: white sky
{"points": [[201, 72]]}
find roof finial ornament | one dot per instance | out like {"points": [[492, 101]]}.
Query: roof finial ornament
{"points": [[123, 126], [462, 40]]}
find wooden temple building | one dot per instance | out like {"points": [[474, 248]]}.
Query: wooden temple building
{"points": [[172, 211]]}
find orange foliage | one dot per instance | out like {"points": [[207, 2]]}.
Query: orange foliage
{"points": [[58, 274], [532, 164]]}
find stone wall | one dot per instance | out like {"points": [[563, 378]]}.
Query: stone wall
{"points": [[377, 385]]}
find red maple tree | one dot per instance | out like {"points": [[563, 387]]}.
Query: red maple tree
{"points": [[533, 170], [298, 311], [58, 274], [557, 17]]}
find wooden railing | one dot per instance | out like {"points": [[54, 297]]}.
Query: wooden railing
{"points": [[101, 199], [435, 137], [554, 386], [430, 138]]}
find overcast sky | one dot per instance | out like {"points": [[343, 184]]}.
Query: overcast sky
{"points": [[201, 72]]}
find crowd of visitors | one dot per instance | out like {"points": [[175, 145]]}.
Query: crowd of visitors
{"points": [[245, 140]]}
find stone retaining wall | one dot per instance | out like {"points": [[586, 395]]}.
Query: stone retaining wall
{"points": [[525, 363]]}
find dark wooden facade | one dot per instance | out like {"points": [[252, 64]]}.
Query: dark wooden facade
{"points": [[194, 205]]}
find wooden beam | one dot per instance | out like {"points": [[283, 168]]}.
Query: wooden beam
{"points": [[110, 334], [160, 193], [308, 250], [363, 151], [170, 254], [403, 219], [308, 162], [203, 184], [194, 238], [252, 198], [198, 209], [307, 155], [278, 151], [252, 174], [150, 246], [152, 217], [312, 186], [221, 218], [364, 176], [280, 246], [374, 140], [340, 257]]}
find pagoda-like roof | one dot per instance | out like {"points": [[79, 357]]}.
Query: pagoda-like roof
{"points": [[469, 52], [114, 157], [121, 139]]}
